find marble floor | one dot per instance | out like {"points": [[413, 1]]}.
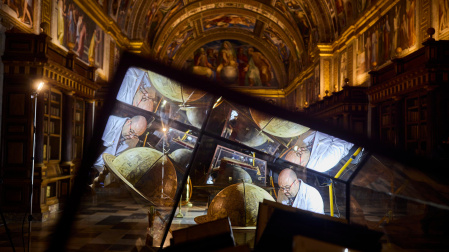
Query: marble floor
{"points": [[106, 222]]}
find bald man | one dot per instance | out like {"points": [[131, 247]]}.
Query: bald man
{"points": [[294, 192], [120, 134]]}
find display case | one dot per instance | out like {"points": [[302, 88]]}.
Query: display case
{"points": [[164, 126]]}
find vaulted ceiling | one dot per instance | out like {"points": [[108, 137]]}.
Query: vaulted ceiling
{"points": [[284, 31]]}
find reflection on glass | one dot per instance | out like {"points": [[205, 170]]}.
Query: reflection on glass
{"points": [[245, 152], [136, 90], [240, 129], [174, 139], [120, 134], [148, 142], [296, 193], [230, 167], [407, 205]]}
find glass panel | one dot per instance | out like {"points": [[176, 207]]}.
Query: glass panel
{"points": [[154, 138], [403, 202], [148, 143]]}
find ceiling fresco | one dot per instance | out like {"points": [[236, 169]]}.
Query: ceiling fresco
{"points": [[284, 31], [234, 63], [228, 21]]}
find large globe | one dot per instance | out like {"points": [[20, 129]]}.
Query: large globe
{"points": [[276, 126], [231, 174], [146, 172], [239, 203], [196, 116], [248, 135], [229, 74], [174, 90]]}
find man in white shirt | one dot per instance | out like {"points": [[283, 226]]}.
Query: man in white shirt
{"points": [[136, 90], [326, 151], [294, 192], [120, 134]]}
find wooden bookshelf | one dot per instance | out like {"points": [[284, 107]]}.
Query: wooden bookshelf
{"points": [[416, 124], [388, 123], [78, 128], [54, 166], [418, 86], [52, 125]]}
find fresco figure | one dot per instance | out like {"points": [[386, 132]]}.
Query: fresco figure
{"points": [[343, 71], [80, 35], [368, 51], [96, 39], [380, 42], [349, 12], [339, 5], [263, 65], [387, 39], [411, 23], [82, 40], [60, 19], [226, 58], [394, 44], [71, 36], [404, 33], [252, 76], [443, 20], [27, 10], [361, 5], [202, 66], [153, 20], [374, 42], [212, 57], [13, 4], [242, 60], [122, 13], [285, 54], [129, 11]]}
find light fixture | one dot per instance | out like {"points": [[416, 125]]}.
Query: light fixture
{"points": [[40, 86], [30, 217]]}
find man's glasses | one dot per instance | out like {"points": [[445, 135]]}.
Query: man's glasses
{"points": [[145, 95], [132, 133], [287, 188]]}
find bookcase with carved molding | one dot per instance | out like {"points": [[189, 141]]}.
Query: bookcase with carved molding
{"points": [[63, 123], [409, 99], [346, 109]]}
